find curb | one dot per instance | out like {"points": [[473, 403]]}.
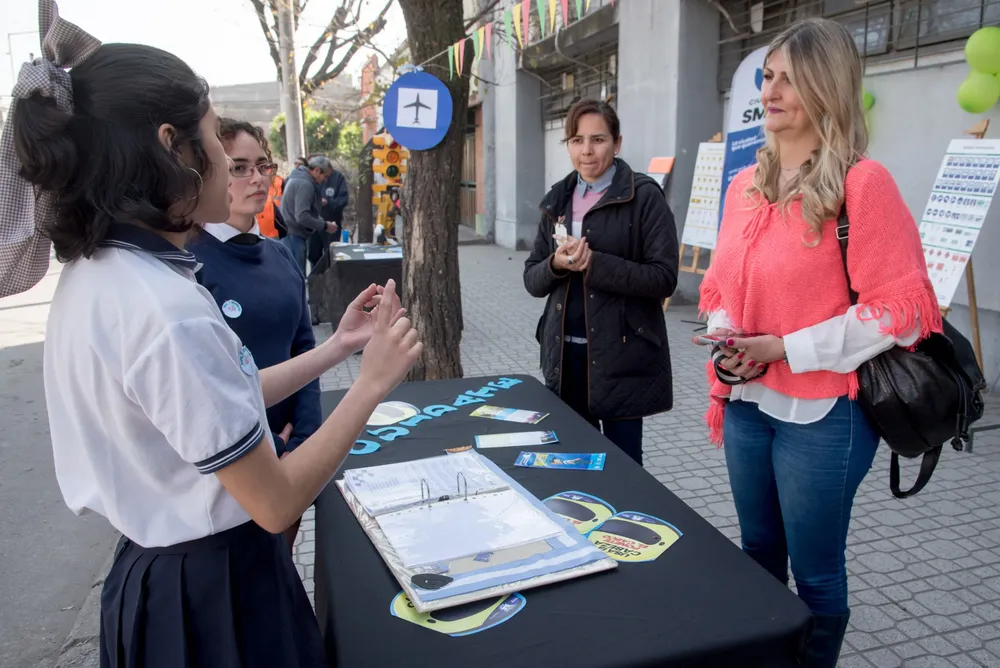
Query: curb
{"points": [[82, 646]]}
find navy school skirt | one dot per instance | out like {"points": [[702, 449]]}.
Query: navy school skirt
{"points": [[231, 600]]}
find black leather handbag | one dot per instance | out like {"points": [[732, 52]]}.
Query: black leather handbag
{"points": [[918, 400]]}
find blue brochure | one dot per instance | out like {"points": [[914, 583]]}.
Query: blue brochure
{"points": [[588, 461]]}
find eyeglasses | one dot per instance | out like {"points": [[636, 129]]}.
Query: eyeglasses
{"points": [[243, 170]]}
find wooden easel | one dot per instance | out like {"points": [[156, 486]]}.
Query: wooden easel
{"points": [[694, 267], [979, 132]]}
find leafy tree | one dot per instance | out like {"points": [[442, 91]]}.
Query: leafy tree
{"points": [[322, 131], [350, 145]]}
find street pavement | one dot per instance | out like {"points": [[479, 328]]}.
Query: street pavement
{"points": [[48, 556], [924, 572]]}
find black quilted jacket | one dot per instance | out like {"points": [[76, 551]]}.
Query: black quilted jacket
{"points": [[632, 270]]}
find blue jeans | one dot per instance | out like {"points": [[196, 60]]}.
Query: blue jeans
{"points": [[794, 486], [297, 245]]}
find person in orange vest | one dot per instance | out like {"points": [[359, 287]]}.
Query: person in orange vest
{"points": [[269, 220]]}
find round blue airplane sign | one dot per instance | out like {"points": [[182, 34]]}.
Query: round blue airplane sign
{"points": [[417, 110]]}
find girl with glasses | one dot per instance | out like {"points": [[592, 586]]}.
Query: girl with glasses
{"points": [[257, 285]]}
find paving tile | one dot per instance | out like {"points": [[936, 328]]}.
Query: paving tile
{"points": [[883, 658]]}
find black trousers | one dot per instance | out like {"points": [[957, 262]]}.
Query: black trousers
{"points": [[626, 434]]}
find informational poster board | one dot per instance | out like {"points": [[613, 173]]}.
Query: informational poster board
{"points": [[701, 226], [744, 134], [956, 210]]}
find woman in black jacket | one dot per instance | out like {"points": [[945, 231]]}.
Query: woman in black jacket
{"points": [[605, 257]]}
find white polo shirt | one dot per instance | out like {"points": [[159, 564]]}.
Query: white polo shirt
{"points": [[149, 392]]}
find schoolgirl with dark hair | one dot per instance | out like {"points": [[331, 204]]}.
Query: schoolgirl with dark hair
{"points": [[157, 410]]}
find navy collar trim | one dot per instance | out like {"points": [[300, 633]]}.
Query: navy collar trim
{"points": [[135, 238]]}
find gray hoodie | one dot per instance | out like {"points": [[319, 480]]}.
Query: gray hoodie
{"points": [[300, 204]]}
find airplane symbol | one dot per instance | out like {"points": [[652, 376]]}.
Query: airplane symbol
{"points": [[417, 105]]}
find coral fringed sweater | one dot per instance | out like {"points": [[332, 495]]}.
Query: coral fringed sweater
{"points": [[769, 282]]}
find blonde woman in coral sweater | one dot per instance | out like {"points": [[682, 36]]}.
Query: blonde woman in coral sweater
{"points": [[797, 445]]}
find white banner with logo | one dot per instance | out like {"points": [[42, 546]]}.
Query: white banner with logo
{"points": [[744, 127]]}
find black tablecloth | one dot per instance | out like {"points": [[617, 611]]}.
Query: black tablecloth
{"points": [[334, 283], [702, 603]]}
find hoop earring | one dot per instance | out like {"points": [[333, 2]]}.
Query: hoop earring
{"points": [[201, 182]]}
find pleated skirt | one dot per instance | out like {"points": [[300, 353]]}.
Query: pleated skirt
{"points": [[231, 600]]}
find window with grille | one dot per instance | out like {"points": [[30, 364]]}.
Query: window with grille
{"points": [[593, 75], [881, 28]]}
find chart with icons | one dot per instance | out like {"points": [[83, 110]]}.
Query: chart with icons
{"points": [[701, 226], [956, 211]]}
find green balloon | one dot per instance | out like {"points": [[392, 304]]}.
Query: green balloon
{"points": [[978, 92], [983, 50], [867, 99]]}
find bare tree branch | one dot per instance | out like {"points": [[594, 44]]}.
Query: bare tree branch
{"points": [[271, 37], [486, 10], [332, 28], [347, 15], [327, 70]]}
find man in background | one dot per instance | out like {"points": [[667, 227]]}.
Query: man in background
{"points": [[301, 207], [333, 199]]}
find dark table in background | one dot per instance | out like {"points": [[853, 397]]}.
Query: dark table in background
{"points": [[702, 603], [343, 272]]}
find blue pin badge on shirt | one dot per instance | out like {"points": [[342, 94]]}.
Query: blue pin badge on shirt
{"points": [[232, 309], [246, 362]]}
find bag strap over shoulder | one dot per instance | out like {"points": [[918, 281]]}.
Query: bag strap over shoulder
{"points": [[930, 458], [843, 232]]}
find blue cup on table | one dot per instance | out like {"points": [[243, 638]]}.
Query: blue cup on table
{"points": [[345, 236]]}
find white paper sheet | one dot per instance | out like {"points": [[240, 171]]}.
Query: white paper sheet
{"points": [[458, 528], [391, 487], [522, 439]]}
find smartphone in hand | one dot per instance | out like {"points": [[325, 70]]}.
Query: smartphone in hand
{"points": [[709, 340]]}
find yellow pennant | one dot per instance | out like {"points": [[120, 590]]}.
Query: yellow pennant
{"points": [[517, 26]]}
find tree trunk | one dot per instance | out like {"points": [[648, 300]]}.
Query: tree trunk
{"points": [[432, 292], [363, 201]]}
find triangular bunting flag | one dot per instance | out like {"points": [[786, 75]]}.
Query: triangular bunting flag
{"points": [[517, 26], [588, 5], [508, 28], [552, 15], [526, 21], [579, 9], [565, 8], [451, 62], [541, 18], [489, 41], [460, 51], [612, 3], [480, 41]]}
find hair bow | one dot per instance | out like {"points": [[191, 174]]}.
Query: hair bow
{"points": [[24, 214]]}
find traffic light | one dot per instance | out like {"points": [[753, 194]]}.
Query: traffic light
{"points": [[388, 159]]}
